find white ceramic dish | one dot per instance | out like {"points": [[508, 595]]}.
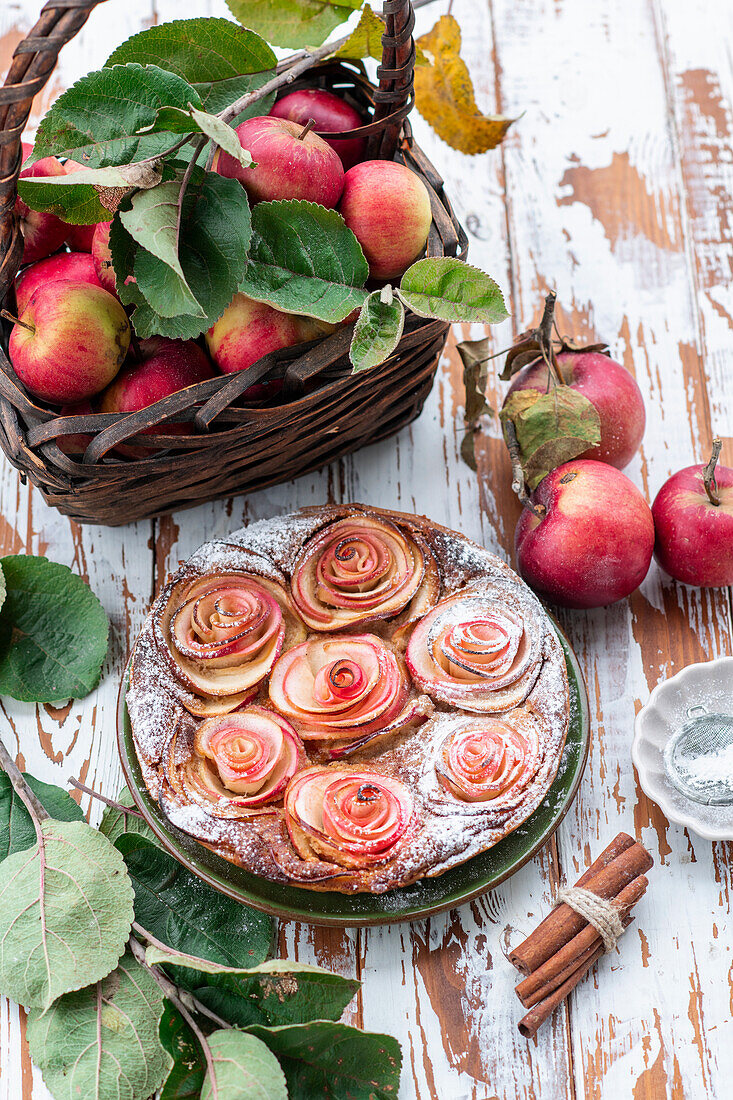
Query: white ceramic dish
{"points": [[709, 684]]}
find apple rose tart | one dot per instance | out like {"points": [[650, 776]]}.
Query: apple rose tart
{"points": [[476, 652], [240, 762], [352, 818], [487, 759], [344, 690], [347, 699], [224, 634], [362, 569]]}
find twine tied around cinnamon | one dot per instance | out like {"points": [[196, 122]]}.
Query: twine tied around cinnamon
{"points": [[601, 913]]}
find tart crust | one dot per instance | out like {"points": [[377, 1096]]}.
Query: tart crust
{"points": [[443, 830]]}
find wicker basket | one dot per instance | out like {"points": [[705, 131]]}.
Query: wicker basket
{"points": [[322, 410]]}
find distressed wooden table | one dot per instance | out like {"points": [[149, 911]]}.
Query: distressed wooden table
{"points": [[616, 188]]}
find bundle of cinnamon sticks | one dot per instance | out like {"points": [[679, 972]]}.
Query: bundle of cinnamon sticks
{"points": [[564, 947]]}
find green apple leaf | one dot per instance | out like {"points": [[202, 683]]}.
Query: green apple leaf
{"points": [[88, 196], [177, 908], [115, 823], [152, 221], [451, 290], [294, 23], [304, 259], [220, 59], [280, 991], [65, 913], [186, 1077], [366, 38], [17, 831], [102, 1042], [222, 135], [334, 1060], [378, 330], [243, 1068], [551, 428], [109, 116], [3, 587], [53, 632], [212, 255]]}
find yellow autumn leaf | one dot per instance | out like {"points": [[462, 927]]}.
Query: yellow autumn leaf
{"points": [[366, 38], [444, 93]]}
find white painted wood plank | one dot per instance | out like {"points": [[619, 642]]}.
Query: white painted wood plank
{"points": [[594, 201]]}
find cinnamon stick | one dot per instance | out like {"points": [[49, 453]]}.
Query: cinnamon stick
{"points": [[531, 1023], [623, 861], [559, 966]]}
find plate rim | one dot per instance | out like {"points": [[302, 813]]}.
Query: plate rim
{"points": [[139, 797]]}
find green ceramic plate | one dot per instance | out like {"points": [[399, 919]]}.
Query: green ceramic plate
{"points": [[476, 876]]}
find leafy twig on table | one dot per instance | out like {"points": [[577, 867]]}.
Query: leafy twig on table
{"points": [[519, 485], [172, 992], [31, 802]]}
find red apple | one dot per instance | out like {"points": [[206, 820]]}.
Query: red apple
{"points": [[387, 207], [71, 343], [593, 540], [102, 257], [608, 386], [694, 534], [165, 367], [247, 330], [289, 166], [75, 267], [331, 115], [78, 237], [75, 444], [42, 233]]}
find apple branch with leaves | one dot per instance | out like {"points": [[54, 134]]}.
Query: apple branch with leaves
{"points": [[183, 238]]}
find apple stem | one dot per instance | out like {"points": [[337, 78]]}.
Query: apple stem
{"points": [[544, 332], [16, 320], [306, 129], [519, 485], [708, 474]]}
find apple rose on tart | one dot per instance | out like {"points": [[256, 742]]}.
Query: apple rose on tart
{"points": [[344, 691], [355, 818], [490, 759], [240, 762], [475, 652], [362, 569], [223, 634]]}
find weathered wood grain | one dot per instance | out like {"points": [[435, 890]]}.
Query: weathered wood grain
{"points": [[615, 188]]}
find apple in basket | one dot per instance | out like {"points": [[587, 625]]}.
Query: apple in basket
{"points": [[693, 518], [331, 114], [42, 233], [387, 207], [291, 162], [75, 267], [165, 367], [247, 330], [609, 387], [590, 540], [69, 342]]}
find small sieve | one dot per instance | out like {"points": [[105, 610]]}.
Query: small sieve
{"points": [[698, 758]]}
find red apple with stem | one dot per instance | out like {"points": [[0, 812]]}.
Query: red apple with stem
{"points": [[387, 207], [693, 518], [70, 341], [331, 115], [78, 237], [42, 233], [76, 267], [291, 163], [586, 537], [609, 387], [248, 330]]}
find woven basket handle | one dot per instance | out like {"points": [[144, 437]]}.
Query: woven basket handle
{"points": [[395, 95]]}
